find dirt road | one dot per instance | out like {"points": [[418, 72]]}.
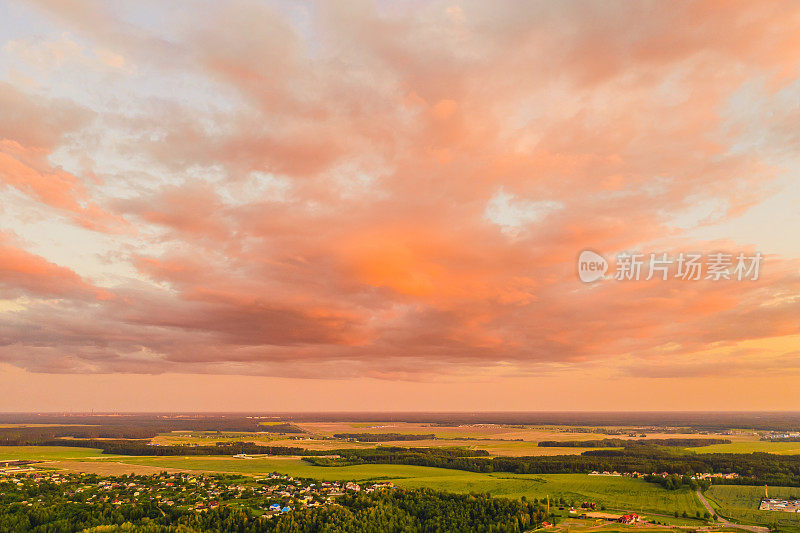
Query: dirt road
{"points": [[724, 522]]}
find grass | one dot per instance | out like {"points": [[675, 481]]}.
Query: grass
{"points": [[45, 453], [614, 493], [740, 503], [579, 524], [783, 448]]}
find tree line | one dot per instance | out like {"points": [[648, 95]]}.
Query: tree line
{"points": [[622, 443], [384, 437], [143, 448], [676, 482]]}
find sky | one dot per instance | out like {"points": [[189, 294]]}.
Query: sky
{"points": [[355, 205]]}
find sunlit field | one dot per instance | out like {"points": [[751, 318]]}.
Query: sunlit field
{"points": [[46, 453], [783, 448], [741, 504], [497, 439]]}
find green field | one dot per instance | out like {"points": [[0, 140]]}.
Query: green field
{"points": [[783, 448], [740, 503], [46, 453]]}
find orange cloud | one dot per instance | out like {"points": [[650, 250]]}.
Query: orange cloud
{"points": [[390, 133], [30, 132], [24, 273]]}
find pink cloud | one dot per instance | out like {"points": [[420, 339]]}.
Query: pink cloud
{"points": [[24, 273], [31, 130], [394, 130]]}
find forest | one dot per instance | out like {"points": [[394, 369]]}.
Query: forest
{"points": [[143, 448], [753, 468]]}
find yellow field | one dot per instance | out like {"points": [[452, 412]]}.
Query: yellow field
{"points": [[489, 431], [497, 439], [782, 448]]}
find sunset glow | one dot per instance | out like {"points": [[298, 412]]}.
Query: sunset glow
{"points": [[250, 205]]}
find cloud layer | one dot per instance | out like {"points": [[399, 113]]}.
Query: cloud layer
{"points": [[350, 189]]}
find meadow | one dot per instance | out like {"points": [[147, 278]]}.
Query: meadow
{"points": [[46, 453], [782, 448], [740, 503]]}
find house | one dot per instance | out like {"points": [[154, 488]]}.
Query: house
{"points": [[274, 507], [286, 509], [631, 518]]}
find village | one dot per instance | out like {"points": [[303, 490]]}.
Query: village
{"points": [[267, 495], [779, 504], [589, 510], [696, 476], [786, 505]]}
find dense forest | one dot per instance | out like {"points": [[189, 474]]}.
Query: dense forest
{"points": [[280, 427], [622, 443], [39, 435], [753, 468], [145, 425], [414, 511], [386, 511], [135, 447], [104, 427], [143, 448]]}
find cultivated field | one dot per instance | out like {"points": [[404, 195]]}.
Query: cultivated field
{"points": [[501, 431], [47, 453], [783, 448], [497, 439], [741, 504]]}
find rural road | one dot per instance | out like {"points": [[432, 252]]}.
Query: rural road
{"points": [[756, 529]]}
